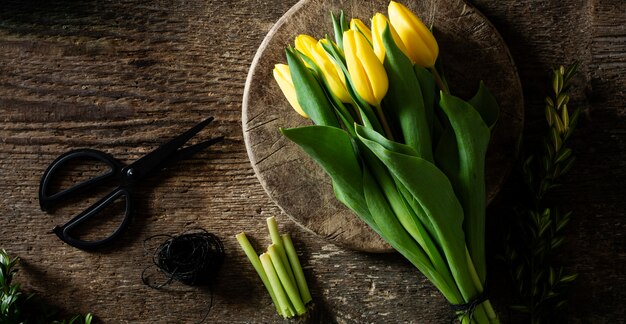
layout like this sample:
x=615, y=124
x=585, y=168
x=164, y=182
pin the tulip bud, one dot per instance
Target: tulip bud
x=368, y=75
x=420, y=43
x=379, y=23
x=282, y=75
x=358, y=25
x=332, y=74
x=306, y=45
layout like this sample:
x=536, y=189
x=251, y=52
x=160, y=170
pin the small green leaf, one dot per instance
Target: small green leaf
x=568, y=164
x=565, y=116
x=556, y=242
x=549, y=115
x=563, y=155
x=561, y=100
x=556, y=139
x=568, y=278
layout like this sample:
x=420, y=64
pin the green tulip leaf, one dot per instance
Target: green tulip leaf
x=427, y=86
x=432, y=190
x=461, y=155
x=382, y=140
x=310, y=93
x=340, y=24
x=333, y=150
x=486, y=105
x=404, y=99
x=392, y=231
x=404, y=206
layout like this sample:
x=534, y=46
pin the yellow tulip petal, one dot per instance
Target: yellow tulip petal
x=305, y=44
x=379, y=23
x=357, y=72
x=366, y=72
x=420, y=43
x=358, y=25
x=282, y=75
x=374, y=69
x=332, y=74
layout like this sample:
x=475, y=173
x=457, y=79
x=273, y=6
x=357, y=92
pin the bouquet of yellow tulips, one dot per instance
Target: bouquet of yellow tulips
x=403, y=153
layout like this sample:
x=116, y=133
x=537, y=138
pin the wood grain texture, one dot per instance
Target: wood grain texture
x=471, y=51
x=124, y=76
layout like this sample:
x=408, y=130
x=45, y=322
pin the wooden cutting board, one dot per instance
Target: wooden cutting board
x=471, y=50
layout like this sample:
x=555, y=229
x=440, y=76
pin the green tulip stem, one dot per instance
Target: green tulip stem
x=256, y=263
x=297, y=269
x=491, y=314
x=288, y=284
x=281, y=297
x=384, y=123
x=272, y=226
x=438, y=80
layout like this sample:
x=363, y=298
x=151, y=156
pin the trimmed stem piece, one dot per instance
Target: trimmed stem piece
x=290, y=286
x=297, y=269
x=272, y=226
x=281, y=297
x=256, y=263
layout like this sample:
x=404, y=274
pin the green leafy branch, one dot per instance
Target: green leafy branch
x=538, y=228
x=16, y=307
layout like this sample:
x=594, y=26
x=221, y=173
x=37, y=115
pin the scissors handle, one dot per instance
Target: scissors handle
x=47, y=201
x=64, y=232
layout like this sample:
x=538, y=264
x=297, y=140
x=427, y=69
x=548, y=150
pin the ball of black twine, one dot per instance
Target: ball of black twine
x=192, y=258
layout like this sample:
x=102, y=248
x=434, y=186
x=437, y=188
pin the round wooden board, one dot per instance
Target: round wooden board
x=471, y=50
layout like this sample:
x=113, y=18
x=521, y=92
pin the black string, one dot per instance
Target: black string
x=467, y=310
x=192, y=258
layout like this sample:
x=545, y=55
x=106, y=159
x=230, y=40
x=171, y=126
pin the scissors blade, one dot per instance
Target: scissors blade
x=188, y=152
x=154, y=160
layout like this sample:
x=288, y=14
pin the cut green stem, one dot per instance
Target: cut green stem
x=283, y=302
x=290, y=286
x=297, y=269
x=256, y=263
x=272, y=226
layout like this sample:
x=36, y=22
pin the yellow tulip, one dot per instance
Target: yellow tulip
x=306, y=45
x=379, y=23
x=282, y=75
x=358, y=25
x=368, y=74
x=420, y=43
x=331, y=72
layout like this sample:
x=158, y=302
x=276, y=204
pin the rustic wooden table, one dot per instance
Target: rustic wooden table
x=124, y=76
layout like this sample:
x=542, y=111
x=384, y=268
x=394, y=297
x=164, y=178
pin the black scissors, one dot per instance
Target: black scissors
x=124, y=176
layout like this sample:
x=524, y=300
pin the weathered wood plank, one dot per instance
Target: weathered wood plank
x=126, y=76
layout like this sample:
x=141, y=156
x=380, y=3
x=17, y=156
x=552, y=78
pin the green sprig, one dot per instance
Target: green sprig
x=16, y=307
x=538, y=228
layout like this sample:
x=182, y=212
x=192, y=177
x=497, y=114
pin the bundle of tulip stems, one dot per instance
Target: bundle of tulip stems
x=403, y=153
x=280, y=271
